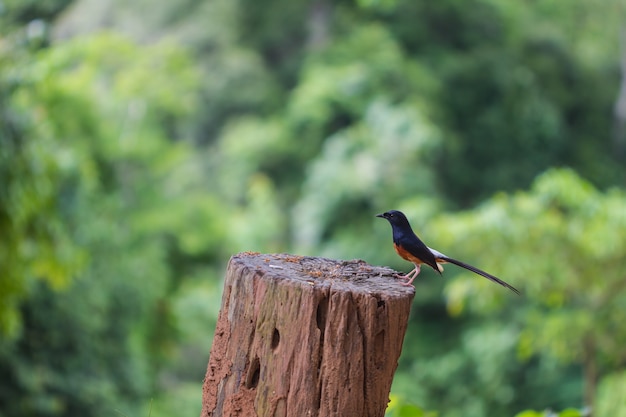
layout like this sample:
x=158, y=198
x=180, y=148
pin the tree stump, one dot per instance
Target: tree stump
x=301, y=336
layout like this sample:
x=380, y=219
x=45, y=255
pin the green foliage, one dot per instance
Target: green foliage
x=131, y=167
x=355, y=166
x=182, y=400
x=563, y=234
x=398, y=408
x=570, y=412
x=25, y=11
x=35, y=241
x=549, y=242
x=612, y=395
x=509, y=77
x=96, y=345
x=559, y=233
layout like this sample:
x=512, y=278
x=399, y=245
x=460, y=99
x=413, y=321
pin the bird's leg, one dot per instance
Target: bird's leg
x=415, y=273
x=407, y=276
x=411, y=275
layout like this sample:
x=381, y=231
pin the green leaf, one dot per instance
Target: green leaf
x=530, y=413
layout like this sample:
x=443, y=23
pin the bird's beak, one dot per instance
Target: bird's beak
x=381, y=215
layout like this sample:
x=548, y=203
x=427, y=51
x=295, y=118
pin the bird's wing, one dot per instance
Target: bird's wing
x=418, y=250
x=437, y=254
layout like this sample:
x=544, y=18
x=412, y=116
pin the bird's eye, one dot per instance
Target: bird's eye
x=391, y=214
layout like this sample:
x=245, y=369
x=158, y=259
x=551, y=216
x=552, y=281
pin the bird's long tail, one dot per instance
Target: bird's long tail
x=479, y=272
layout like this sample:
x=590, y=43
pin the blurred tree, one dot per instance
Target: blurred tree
x=502, y=89
x=522, y=87
x=100, y=149
x=563, y=241
x=569, y=412
x=310, y=118
x=397, y=408
x=22, y=12
x=35, y=243
x=611, y=394
x=362, y=135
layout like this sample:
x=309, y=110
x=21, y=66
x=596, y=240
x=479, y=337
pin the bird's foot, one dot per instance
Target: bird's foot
x=409, y=283
x=400, y=276
x=411, y=276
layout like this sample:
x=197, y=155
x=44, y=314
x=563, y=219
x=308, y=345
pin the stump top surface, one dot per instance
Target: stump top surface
x=343, y=275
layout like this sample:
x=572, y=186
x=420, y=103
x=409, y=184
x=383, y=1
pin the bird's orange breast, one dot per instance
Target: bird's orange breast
x=404, y=254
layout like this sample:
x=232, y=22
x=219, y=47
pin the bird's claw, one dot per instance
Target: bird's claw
x=407, y=278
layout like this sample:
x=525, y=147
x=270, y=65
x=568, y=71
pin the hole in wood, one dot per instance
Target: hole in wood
x=320, y=317
x=252, y=334
x=275, y=338
x=254, y=372
x=322, y=310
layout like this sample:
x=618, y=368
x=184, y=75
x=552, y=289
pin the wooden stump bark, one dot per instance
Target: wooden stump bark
x=300, y=336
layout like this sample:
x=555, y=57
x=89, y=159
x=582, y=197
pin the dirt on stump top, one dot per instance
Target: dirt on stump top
x=353, y=275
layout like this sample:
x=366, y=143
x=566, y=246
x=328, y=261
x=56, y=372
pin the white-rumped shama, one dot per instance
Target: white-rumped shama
x=411, y=248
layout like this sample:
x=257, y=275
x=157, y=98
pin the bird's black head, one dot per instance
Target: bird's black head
x=396, y=218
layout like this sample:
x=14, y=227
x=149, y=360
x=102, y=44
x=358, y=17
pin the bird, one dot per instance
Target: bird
x=411, y=248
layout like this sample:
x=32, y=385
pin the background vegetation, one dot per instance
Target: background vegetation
x=142, y=143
